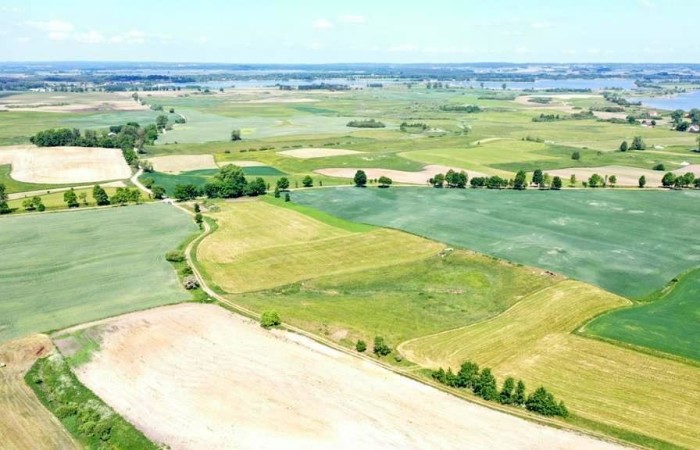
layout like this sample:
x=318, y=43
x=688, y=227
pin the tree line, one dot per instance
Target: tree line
x=369, y=123
x=230, y=182
x=130, y=138
x=483, y=383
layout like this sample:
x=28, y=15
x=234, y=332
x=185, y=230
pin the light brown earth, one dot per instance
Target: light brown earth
x=24, y=422
x=64, y=165
x=214, y=380
x=69, y=103
x=246, y=163
x=626, y=176
x=308, y=153
x=397, y=176
x=26, y=194
x=182, y=163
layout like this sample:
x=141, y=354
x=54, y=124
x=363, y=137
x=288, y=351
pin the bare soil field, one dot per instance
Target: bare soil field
x=182, y=163
x=626, y=176
x=64, y=165
x=8, y=152
x=27, y=194
x=57, y=103
x=213, y=378
x=24, y=422
x=283, y=100
x=397, y=176
x=308, y=153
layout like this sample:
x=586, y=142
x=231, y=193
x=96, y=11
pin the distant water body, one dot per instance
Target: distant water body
x=572, y=83
x=681, y=101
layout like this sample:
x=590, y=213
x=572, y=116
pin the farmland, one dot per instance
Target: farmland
x=280, y=389
x=114, y=262
x=667, y=324
x=259, y=246
x=600, y=382
x=403, y=300
x=25, y=423
x=347, y=264
x=618, y=240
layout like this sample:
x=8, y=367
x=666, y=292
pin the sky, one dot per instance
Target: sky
x=327, y=31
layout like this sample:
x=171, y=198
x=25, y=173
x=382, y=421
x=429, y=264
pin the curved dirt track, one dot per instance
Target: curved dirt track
x=196, y=376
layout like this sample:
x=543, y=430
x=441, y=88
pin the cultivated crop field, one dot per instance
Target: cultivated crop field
x=600, y=381
x=668, y=324
x=216, y=369
x=402, y=300
x=626, y=242
x=72, y=267
x=259, y=246
x=26, y=424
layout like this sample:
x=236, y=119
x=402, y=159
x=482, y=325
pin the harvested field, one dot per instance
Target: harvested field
x=598, y=381
x=397, y=176
x=182, y=163
x=246, y=254
x=213, y=378
x=68, y=165
x=309, y=153
x=626, y=176
x=24, y=422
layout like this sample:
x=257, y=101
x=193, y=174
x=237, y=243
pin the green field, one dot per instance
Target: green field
x=55, y=200
x=668, y=324
x=66, y=268
x=403, y=300
x=202, y=176
x=168, y=181
x=627, y=242
x=599, y=382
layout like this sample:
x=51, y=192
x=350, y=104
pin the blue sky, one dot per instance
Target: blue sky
x=312, y=31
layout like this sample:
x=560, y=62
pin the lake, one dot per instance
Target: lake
x=685, y=102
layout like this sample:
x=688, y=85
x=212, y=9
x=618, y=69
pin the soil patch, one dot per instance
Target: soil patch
x=213, y=378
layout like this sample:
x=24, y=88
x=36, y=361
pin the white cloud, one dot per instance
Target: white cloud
x=351, y=18
x=646, y=3
x=403, y=48
x=91, y=37
x=315, y=46
x=322, y=24
x=57, y=30
x=22, y=40
x=202, y=40
x=130, y=37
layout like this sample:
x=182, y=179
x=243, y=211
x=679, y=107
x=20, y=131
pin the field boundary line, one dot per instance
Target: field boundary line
x=490, y=319
x=406, y=373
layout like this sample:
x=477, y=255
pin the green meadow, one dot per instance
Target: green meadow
x=73, y=267
x=624, y=241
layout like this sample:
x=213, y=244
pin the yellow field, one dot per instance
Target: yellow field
x=24, y=422
x=260, y=246
x=598, y=381
x=55, y=200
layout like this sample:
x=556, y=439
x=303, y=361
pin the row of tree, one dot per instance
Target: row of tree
x=230, y=182
x=483, y=383
x=127, y=137
x=370, y=123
